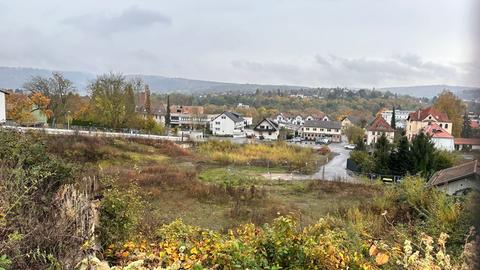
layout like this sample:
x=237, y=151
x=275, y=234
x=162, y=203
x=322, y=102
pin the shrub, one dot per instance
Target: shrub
x=34, y=232
x=119, y=215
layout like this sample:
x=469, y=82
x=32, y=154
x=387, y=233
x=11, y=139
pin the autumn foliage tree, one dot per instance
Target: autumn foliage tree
x=21, y=107
x=454, y=107
x=57, y=89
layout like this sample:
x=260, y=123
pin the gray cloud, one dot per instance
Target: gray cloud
x=340, y=71
x=371, y=43
x=130, y=19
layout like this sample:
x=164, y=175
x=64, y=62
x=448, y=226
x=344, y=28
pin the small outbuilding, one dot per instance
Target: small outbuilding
x=457, y=180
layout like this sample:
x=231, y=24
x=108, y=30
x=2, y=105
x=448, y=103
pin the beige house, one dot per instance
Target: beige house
x=421, y=118
x=314, y=129
x=378, y=128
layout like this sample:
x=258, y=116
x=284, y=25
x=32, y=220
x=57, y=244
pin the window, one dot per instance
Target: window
x=329, y=130
x=307, y=128
x=440, y=125
x=269, y=133
x=217, y=128
x=223, y=117
x=314, y=129
x=217, y=123
x=446, y=125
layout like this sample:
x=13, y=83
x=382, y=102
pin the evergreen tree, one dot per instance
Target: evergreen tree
x=382, y=155
x=130, y=113
x=423, y=155
x=167, y=116
x=393, y=123
x=401, y=159
x=360, y=145
x=148, y=103
x=467, y=131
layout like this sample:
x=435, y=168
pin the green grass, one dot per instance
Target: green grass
x=238, y=175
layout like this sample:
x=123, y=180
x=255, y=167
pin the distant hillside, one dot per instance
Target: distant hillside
x=429, y=90
x=15, y=77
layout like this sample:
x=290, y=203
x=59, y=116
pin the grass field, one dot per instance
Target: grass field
x=189, y=184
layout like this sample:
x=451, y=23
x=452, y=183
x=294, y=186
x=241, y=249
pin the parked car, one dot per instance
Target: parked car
x=297, y=139
x=322, y=141
x=349, y=146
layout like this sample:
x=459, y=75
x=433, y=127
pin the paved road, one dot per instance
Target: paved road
x=335, y=169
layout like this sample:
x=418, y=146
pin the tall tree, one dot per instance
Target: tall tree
x=393, y=121
x=109, y=92
x=57, y=88
x=382, y=155
x=467, y=130
x=454, y=107
x=360, y=145
x=400, y=159
x=423, y=155
x=21, y=107
x=129, y=99
x=148, y=102
x=167, y=116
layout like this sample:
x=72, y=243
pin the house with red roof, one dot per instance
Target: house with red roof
x=377, y=128
x=440, y=137
x=421, y=118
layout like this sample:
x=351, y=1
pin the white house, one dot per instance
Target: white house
x=267, y=129
x=401, y=117
x=378, y=128
x=3, y=106
x=441, y=139
x=228, y=124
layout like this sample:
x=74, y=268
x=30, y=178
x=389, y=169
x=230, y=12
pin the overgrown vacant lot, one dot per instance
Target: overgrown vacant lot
x=147, y=186
x=279, y=154
x=205, y=190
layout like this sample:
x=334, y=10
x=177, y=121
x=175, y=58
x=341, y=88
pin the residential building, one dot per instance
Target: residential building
x=313, y=129
x=353, y=120
x=228, y=124
x=299, y=119
x=467, y=144
x=458, y=179
x=248, y=120
x=419, y=119
x=266, y=129
x=378, y=128
x=441, y=139
x=401, y=117
x=3, y=106
x=188, y=116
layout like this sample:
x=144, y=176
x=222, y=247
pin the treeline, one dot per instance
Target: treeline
x=403, y=158
x=111, y=103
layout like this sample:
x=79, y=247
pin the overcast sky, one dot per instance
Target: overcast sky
x=367, y=43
